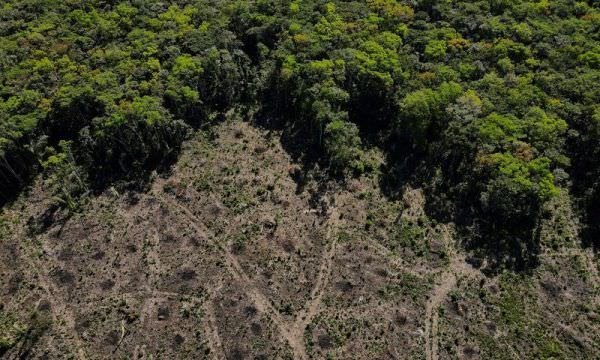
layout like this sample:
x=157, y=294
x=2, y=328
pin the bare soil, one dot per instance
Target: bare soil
x=227, y=257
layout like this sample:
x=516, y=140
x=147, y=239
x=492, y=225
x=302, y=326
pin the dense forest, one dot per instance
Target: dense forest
x=492, y=106
x=299, y=179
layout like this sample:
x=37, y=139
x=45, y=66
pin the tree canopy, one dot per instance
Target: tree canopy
x=498, y=99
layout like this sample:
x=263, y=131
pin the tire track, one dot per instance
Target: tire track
x=214, y=339
x=431, y=326
x=259, y=299
x=291, y=331
x=311, y=308
x=458, y=268
x=61, y=314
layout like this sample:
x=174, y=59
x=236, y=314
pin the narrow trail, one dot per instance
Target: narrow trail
x=311, y=308
x=62, y=315
x=291, y=331
x=214, y=339
x=153, y=262
x=259, y=299
x=431, y=326
x=458, y=268
x=60, y=312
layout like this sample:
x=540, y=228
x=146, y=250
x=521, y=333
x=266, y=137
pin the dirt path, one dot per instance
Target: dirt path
x=311, y=308
x=440, y=292
x=214, y=339
x=152, y=263
x=62, y=315
x=259, y=299
x=292, y=332
x=458, y=268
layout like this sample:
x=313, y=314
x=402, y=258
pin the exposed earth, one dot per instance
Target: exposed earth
x=241, y=253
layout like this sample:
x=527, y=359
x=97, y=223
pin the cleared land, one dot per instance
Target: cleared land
x=239, y=254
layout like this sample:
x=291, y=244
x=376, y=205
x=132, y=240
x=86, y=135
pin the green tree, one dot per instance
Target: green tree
x=343, y=146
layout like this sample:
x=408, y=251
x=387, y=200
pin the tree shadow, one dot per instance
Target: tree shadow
x=17, y=169
x=495, y=242
x=590, y=232
x=586, y=190
x=275, y=113
x=495, y=247
x=584, y=173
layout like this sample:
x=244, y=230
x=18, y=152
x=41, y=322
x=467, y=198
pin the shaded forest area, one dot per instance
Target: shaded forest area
x=492, y=106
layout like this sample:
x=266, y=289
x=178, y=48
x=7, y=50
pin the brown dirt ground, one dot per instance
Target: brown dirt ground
x=228, y=258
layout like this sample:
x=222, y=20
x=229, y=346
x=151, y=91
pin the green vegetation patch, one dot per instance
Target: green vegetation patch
x=11, y=331
x=489, y=105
